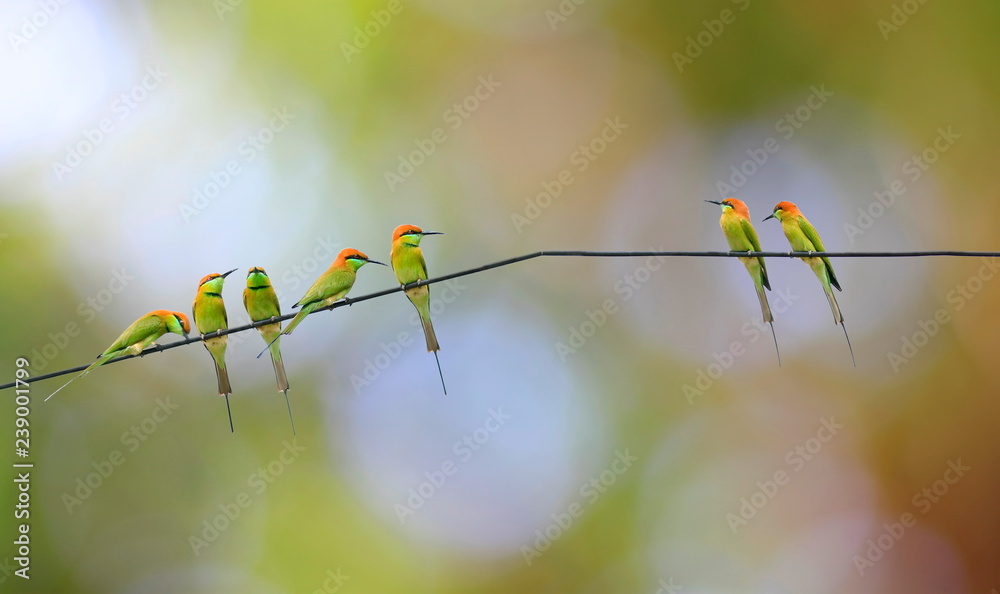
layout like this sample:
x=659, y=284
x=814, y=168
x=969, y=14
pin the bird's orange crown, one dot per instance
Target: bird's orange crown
x=403, y=230
x=788, y=208
x=214, y=276
x=739, y=207
x=165, y=313
x=350, y=254
x=208, y=277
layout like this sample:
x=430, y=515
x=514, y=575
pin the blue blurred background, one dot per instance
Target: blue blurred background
x=611, y=425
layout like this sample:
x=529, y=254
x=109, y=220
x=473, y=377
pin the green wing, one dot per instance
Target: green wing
x=810, y=232
x=751, y=234
x=331, y=285
x=269, y=302
x=145, y=328
x=423, y=266
x=813, y=236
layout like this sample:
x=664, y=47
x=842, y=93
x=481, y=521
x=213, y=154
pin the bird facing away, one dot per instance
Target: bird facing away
x=261, y=303
x=742, y=237
x=803, y=237
x=140, y=334
x=210, y=316
x=408, y=263
x=332, y=285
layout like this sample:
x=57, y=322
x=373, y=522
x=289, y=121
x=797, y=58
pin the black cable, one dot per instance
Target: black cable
x=515, y=260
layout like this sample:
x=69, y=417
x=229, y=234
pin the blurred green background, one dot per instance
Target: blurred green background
x=611, y=425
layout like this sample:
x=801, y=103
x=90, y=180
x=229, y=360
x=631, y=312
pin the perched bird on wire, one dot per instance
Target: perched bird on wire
x=331, y=286
x=742, y=237
x=408, y=263
x=210, y=316
x=803, y=237
x=261, y=303
x=140, y=334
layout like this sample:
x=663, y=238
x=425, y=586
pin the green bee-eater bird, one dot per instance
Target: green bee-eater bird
x=332, y=285
x=408, y=263
x=261, y=303
x=742, y=237
x=210, y=316
x=140, y=334
x=802, y=236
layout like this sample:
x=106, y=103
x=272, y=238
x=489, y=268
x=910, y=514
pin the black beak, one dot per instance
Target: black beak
x=228, y=273
x=714, y=202
x=770, y=216
x=431, y=233
x=370, y=261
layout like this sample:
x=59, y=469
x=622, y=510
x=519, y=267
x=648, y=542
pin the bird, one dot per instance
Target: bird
x=742, y=237
x=408, y=263
x=261, y=303
x=332, y=285
x=803, y=237
x=210, y=316
x=140, y=334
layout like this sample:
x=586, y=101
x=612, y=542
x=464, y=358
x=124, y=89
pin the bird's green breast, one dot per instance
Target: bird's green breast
x=409, y=266
x=796, y=238
x=732, y=228
x=262, y=304
x=209, y=312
